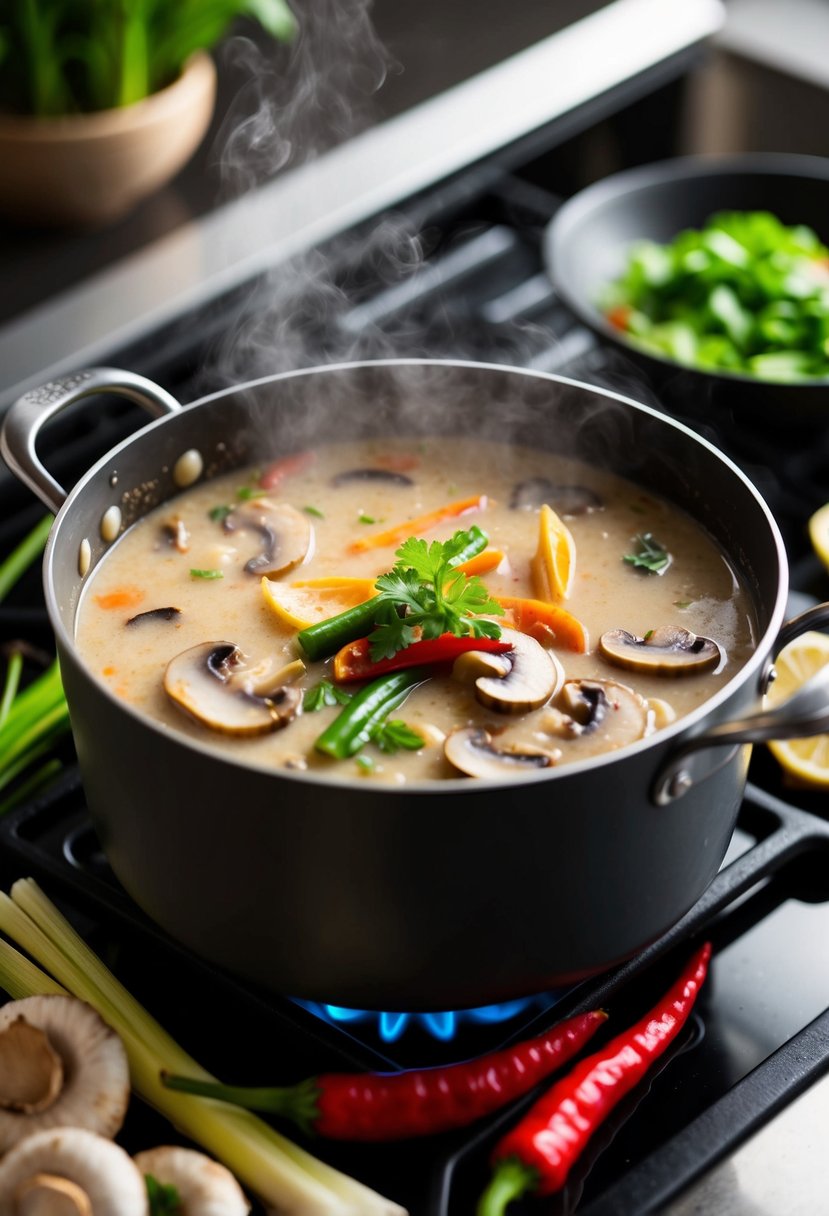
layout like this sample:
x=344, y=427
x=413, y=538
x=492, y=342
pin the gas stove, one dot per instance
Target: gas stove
x=751, y=1061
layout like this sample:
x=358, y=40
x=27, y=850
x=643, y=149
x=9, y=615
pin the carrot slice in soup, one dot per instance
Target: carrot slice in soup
x=416, y=527
x=124, y=597
x=545, y=622
x=484, y=563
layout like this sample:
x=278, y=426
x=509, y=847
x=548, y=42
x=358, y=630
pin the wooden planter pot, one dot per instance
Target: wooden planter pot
x=86, y=170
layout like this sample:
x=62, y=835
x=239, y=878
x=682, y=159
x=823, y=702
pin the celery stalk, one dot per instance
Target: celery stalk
x=281, y=1172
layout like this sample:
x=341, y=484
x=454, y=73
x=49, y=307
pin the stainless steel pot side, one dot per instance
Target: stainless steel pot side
x=437, y=895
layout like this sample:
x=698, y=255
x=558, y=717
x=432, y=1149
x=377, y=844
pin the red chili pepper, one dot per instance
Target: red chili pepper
x=354, y=661
x=536, y=1156
x=288, y=465
x=395, y=1106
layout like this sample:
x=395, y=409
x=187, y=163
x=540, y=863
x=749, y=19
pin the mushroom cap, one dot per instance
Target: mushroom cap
x=212, y=683
x=103, y=1172
x=96, y=1081
x=472, y=750
x=176, y=534
x=472, y=664
x=390, y=476
x=566, y=499
x=287, y=535
x=49, y=1195
x=155, y=614
x=31, y=1071
x=534, y=676
x=590, y=717
x=669, y=650
x=204, y=1186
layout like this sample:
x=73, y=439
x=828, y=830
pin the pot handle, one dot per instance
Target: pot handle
x=803, y=714
x=34, y=409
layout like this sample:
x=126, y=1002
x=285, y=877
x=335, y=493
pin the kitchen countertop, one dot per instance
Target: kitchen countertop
x=202, y=256
x=780, y=1169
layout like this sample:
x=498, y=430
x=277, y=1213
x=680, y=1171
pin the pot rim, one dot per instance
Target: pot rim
x=451, y=785
x=618, y=186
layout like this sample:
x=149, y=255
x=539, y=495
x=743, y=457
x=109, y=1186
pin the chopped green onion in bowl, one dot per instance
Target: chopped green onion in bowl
x=745, y=294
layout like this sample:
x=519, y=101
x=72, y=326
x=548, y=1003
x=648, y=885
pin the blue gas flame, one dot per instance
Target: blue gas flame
x=443, y=1026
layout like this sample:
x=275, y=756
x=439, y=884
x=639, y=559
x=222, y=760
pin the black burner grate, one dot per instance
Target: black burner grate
x=732, y=1072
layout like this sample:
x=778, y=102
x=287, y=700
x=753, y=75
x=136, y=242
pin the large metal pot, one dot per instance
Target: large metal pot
x=438, y=895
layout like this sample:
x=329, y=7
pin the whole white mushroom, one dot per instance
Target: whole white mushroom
x=68, y=1171
x=60, y=1066
x=205, y=1188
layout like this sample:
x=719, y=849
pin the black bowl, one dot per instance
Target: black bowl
x=587, y=243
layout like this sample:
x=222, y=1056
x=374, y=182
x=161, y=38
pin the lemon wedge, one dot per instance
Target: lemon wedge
x=307, y=603
x=819, y=533
x=806, y=761
x=554, y=564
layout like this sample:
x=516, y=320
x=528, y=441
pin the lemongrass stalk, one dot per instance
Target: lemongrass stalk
x=11, y=685
x=247, y=1145
x=19, y=977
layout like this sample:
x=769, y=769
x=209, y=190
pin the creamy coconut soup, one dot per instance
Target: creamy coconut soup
x=563, y=612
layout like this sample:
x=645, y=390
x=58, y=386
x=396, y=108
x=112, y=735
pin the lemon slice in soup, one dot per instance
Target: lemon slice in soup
x=306, y=603
x=554, y=563
x=806, y=761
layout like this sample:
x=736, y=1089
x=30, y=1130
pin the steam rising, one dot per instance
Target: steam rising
x=370, y=294
x=298, y=102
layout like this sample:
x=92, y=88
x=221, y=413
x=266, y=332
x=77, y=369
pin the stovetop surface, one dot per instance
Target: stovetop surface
x=758, y=1035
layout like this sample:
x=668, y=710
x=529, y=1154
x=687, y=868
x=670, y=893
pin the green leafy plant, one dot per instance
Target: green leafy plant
x=69, y=56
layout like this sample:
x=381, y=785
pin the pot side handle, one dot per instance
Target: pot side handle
x=34, y=409
x=805, y=713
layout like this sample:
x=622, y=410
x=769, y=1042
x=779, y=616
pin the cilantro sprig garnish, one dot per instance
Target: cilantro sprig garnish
x=322, y=694
x=391, y=736
x=422, y=592
x=650, y=555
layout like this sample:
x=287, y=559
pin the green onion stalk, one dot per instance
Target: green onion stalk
x=284, y=1175
x=31, y=721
